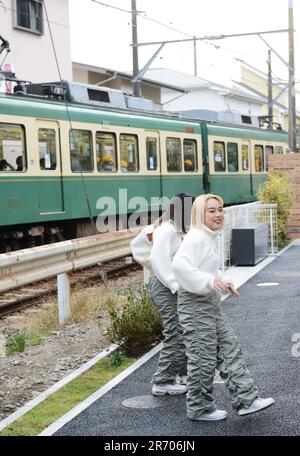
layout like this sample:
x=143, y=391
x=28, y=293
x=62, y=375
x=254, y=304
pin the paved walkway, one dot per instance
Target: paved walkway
x=266, y=318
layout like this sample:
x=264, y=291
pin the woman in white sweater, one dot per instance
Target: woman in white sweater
x=209, y=339
x=167, y=237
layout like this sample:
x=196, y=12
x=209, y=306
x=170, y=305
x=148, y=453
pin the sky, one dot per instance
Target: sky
x=101, y=35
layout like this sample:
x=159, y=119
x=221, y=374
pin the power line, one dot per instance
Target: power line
x=70, y=121
x=216, y=46
x=111, y=6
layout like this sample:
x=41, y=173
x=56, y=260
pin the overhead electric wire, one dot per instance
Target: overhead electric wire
x=216, y=46
x=70, y=122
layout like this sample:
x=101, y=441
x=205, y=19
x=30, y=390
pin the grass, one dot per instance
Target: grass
x=19, y=341
x=59, y=403
x=90, y=304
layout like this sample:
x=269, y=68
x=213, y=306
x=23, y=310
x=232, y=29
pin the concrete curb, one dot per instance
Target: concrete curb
x=101, y=391
x=41, y=397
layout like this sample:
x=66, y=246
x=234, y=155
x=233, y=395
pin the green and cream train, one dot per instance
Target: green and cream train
x=58, y=158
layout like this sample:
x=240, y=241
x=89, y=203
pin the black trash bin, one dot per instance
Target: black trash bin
x=249, y=245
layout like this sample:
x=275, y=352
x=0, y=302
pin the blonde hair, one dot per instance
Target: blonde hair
x=198, y=209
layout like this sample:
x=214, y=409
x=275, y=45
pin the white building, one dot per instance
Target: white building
x=201, y=94
x=25, y=26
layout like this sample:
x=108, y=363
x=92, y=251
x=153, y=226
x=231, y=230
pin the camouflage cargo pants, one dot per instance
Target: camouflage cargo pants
x=172, y=358
x=210, y=344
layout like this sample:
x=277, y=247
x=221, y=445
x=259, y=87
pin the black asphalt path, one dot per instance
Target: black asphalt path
x=267, y=322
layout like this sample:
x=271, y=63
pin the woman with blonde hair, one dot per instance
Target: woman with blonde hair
x=209, y=339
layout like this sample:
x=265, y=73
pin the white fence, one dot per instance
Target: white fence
x=247, y=215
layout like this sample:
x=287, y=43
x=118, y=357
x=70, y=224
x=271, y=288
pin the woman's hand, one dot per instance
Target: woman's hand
x=220, y=285
x=232, y=290
x=225, y=287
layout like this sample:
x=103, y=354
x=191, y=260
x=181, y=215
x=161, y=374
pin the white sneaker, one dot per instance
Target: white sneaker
x=168, y=388
x=257, y=405
x=181, y=379
x=216, y=415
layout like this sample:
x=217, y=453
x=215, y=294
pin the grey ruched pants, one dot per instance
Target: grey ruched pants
x=172, y=358
x=210, y=344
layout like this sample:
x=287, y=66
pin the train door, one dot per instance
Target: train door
x=153, y=165
x=49, y=168
x=247, y=169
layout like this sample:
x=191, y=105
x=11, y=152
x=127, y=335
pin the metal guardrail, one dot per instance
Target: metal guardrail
x=31, y=265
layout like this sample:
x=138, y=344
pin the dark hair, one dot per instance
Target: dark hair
x=179, y=212
x=3, y=163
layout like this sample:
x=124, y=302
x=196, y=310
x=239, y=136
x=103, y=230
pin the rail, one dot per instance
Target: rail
x=31, y=265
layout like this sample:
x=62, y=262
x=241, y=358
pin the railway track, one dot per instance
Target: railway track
x=16, y=299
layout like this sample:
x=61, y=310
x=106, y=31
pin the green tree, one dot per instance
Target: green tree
x=277, y=190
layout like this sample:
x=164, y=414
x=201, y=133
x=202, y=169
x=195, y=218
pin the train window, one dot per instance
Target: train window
x=106, y=152
x=259, y=158
x=190, y=154
x=245, y=157
x=232, y=157
x=278, y=150
x=12, y=148
x=47, y=148
x=173, y=148
x=81, y=150
x=151, y=150
x=129, y=153
x=269, y=150
x=219, y=156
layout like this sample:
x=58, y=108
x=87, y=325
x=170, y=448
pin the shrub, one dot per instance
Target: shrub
x=276, y=190
x=137, y=326
x=19, y=341
x=16, y=343
x=116, y=359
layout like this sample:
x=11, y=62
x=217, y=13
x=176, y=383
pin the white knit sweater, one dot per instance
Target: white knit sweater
x=197, y=262
x=141, y=250
x=166, y=241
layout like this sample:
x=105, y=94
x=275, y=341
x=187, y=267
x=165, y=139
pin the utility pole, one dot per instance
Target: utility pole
x=270, y=92
x=135, y=57
x=195, y=57
x=292, y=102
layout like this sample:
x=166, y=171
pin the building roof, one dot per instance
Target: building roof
x=126, y=75
x=189, y=83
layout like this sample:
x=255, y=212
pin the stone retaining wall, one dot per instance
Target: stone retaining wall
x=289, y=165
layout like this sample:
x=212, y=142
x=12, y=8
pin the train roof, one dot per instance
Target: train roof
x=244, y=132
x=45, y=108
x=59, y=110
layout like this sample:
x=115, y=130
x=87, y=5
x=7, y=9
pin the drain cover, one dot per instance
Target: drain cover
x=145, y=402
x=287, y=274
